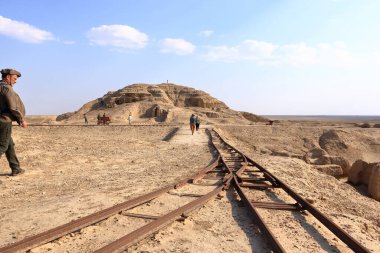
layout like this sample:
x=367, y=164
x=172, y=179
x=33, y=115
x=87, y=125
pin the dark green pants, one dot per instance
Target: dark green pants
x=7, y=145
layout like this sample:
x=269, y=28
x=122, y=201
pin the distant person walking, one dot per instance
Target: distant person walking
x=11, y=109
x=85, y=119
x=192, y=123
x=197, y=123
x=130, y=118
x=99, y=121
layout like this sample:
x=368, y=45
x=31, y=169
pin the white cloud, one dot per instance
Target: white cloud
x=176, y=46
x=206, y=33
x=69, y=42
x=121, y=36
x=247, y=50
x=23, y=31
x=334, y=54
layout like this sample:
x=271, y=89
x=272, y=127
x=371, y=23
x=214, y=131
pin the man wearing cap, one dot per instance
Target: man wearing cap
x=11, y=109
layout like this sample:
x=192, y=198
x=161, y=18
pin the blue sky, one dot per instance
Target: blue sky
x=269, y=57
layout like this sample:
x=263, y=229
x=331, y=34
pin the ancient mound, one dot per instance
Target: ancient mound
x=166, y=103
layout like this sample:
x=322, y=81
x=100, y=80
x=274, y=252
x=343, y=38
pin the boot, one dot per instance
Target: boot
x=17, y=171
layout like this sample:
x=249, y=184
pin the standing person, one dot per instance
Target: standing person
x=99, y=119
x=11, y=109
x=197, y=123
x=192, y=123
x=130, y=118
x=85, y=119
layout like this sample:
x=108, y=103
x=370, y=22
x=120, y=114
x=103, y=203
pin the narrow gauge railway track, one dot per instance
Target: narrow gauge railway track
x=187, y=195
x=248, y=176
x=231, y=168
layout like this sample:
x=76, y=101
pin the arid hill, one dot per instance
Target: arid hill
x=166, y=103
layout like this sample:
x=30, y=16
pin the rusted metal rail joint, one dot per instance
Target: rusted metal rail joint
x=302, y=204
x=52, y=234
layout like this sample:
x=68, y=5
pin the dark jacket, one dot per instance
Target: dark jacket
x=11, y=105
x=192, y=120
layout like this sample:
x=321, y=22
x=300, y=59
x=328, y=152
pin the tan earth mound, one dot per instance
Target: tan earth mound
x=161, y=103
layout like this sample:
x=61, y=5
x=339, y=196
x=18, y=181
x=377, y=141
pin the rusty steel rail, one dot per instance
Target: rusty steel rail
x=301, y=204
x=57, y=232
x=152, y=227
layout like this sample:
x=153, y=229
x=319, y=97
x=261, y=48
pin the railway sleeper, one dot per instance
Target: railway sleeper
x=207, y=184
x=252, y=179
x=248, y=170
x=182, y=217
x=233, y=159
x=195, y=195
x=255, y=178
x=216, y=171
x=257, y=185
x=277, y=206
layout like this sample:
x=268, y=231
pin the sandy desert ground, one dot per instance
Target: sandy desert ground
x=74, y=171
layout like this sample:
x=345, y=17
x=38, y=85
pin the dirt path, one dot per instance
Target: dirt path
x=184, y=136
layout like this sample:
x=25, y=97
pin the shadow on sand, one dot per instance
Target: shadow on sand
x=309, y=228
x=244, y=219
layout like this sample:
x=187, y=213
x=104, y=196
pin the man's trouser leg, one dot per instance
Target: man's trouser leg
x=5, y=135
x=11, y=156
x=7, y=145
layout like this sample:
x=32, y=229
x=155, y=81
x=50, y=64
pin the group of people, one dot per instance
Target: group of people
x=194, y=123
x=104, y=120
x=11, y=109
x=101, y=119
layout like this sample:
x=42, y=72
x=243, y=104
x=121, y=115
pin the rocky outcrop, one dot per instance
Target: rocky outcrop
x=319, y=157
x=337, y=160
x=368, y=174
x=182, y=96
x=374, y=182
x=330, y=169
x=360, y=172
